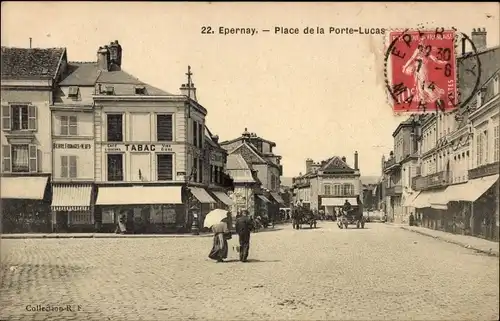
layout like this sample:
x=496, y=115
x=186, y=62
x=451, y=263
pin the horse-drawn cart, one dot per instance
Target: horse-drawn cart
x=352, y=217
x=301, y=215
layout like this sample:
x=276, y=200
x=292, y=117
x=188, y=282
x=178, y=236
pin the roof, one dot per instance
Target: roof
x=250, y=138
x=406, y=123
x=81, y=74
x=253, y=157
x=208, y=136
x=31, y=62
x=239, y=170
x=336, y=164
x=88, y=74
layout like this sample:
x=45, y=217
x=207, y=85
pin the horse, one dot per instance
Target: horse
x=297, y=217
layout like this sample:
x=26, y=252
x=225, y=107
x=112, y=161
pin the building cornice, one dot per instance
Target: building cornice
x=34, y=84
x=148, y=98
x=72, y=108
x=484, y=109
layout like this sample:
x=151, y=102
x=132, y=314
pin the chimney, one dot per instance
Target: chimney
x=344, y=159
x=356, y=160
x=103, y=58
x=309, y=165
x=186, y=92
x=115, y=54
x=245, y=135
x=479, y=38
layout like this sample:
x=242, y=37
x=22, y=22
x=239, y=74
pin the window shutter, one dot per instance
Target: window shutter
x=7, y=158
x=73, y=166
x=6, y=117
x=32, y=117
x=64, y=166
x=33, y=158
x=73, y=125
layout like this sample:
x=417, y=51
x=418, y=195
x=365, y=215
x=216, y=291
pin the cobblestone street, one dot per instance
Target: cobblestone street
x=381, y=272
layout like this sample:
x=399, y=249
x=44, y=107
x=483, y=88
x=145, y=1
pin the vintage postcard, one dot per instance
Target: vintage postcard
x=249, y=161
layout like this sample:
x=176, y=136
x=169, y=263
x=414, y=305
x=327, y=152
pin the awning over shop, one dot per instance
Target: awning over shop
x=202, y=195
x=32, y=187
x=337, y=201
x=224, y=198
x=410, y=200
x=71, y=197
x=427, y=198
x=135, y=195
x=263, y=198
x=477, y=187
x=277, y=197
x=422, y=200
x=469, y=191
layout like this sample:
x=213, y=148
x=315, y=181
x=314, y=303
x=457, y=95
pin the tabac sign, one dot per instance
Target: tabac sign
x=138, y=148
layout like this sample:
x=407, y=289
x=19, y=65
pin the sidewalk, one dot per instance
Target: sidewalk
x=96, y=235
x=470, y=242
x=114, y=236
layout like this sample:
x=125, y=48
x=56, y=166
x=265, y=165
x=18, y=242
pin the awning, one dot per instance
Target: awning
x=263, y=198
x=410, y=199
x=202, y=195
x=426, y=198
x=135, y=195
x=224, y=198
x=337, y=201
x=71, y=197
x=477, y=187
x=277, y=197
x=468, y=192
x=29, y=187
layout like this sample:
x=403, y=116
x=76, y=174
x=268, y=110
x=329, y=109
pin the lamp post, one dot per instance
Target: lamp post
x=195, y=212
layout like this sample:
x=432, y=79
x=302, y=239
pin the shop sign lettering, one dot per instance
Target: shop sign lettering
x=71, y=146
x=138, y=147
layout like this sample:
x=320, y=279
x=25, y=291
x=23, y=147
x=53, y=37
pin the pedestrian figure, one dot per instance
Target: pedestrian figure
x=121, y=227
x=412, y=219
x=244, y=226
x=220, y=248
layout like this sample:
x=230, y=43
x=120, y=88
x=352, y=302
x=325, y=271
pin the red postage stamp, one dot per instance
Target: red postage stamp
x=421, y=70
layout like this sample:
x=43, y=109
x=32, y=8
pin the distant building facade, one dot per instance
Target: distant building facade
x=259, y=156
x=399, y=170
x=327, y=184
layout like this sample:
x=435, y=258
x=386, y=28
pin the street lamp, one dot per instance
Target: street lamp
x=195, y=227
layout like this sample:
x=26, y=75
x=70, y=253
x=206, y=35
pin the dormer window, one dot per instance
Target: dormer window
x=110, y=90
x=73, y=92
x=140, y=90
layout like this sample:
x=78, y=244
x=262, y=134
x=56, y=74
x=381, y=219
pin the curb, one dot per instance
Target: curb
x=490, y=253
x=100, y=236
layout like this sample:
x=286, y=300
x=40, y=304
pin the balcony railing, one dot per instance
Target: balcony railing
x=390, y=163
x=485, y=170
x=439, y=179
x=394, y=190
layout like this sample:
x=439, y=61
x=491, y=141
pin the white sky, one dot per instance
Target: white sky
x=314, y=95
